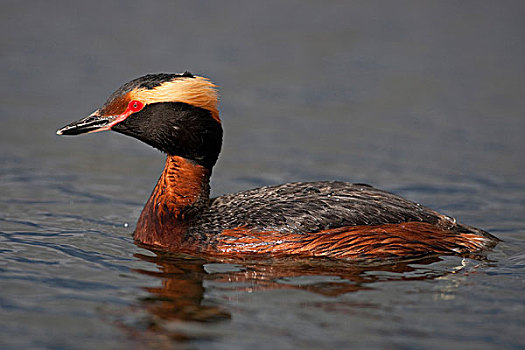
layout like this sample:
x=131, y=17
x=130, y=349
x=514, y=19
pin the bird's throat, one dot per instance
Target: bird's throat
x=180, y=195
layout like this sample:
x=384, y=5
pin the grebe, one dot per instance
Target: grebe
x=178, y=114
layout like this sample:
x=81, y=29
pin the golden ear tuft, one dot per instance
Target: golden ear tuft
x=197, y=91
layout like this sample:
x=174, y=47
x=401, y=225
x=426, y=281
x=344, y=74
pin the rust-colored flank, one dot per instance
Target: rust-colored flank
x=352, y=242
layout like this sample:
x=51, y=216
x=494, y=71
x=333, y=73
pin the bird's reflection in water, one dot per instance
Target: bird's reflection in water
x=180, y=300
x=181, y=294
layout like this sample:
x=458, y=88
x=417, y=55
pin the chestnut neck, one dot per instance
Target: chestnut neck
x=181, y=194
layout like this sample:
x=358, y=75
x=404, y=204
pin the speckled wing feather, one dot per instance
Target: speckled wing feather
x=314, y=206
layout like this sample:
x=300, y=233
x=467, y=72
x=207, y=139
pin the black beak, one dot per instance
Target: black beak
x=92, y=123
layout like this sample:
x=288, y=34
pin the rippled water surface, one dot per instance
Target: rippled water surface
x=424, y=99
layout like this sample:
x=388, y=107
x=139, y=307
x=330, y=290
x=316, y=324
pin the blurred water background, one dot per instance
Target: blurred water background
x=424, y=99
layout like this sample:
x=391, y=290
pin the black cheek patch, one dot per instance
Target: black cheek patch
x=177, y=129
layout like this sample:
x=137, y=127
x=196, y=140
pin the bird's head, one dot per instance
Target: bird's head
x=175, y=113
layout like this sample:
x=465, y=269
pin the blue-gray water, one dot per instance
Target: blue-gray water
x=425, y=99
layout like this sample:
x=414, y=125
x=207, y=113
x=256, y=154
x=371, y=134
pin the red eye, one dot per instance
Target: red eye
x=135, y=106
